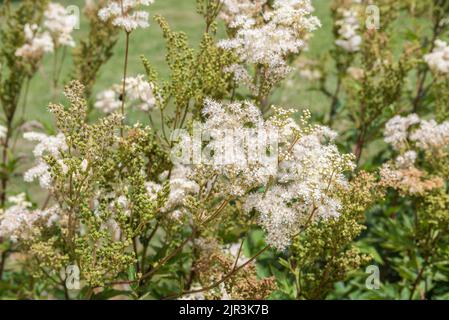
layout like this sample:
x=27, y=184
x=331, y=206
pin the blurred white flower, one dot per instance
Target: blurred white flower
x=349, y=39
x=52, y=145
x=60, y=24
x=396, y=130
x=108, y=101
x=438, y=59
x=124, y=15
x=37, y=44
x=283, y=30
x=139, y=94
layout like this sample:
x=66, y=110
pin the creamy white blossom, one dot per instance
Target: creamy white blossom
x=431, y=136
x=60, y=23
x=438, y=59
x=57, y=27
x=239, y=138
x=404, y=172
x=396, y=130
x=124, y=14
x=238, y=13
x=139, y=94
x=84, y=165
x=301, y=175
x=283, y=30
x=406, y=160
x=108, y=101
x=20, y=222
x=47, y=145
x=305, y=188
x=181, y=185
x=349, y=39
x=37, y=43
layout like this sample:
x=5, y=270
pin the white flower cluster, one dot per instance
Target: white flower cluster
x=301, y=178
x=60, y=23
x=349, y=39
x=58, y=26
x=283, y=30
x=181, y=185
x=124, y=14
x=403, y=173
x=396, y=130
x=37, y=43
x=108, y=100
x=305, y=188
x=139, y=92
x=239, y=139
x=19, y=222
x=406, y=160
x=431, y=135
x=47, y=145
x=438, y=59
x=236, y=13
x=428, y=136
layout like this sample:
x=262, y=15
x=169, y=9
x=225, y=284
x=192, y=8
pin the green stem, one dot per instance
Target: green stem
x=125, y=71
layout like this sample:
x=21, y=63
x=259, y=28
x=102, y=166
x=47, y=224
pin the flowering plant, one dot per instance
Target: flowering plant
x=195, y=183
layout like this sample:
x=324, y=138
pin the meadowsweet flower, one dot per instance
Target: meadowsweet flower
x=19, y=222
x=60, y=24
x=438, y=59
x=396, y=130
x=37, y=44
x=431, y=136
x=349, y=25
x=124, y=15
x=305, y=189
x=108, y=101
x=283, y=30
x=153, y=189
x=181, y=185
x=428, y=136
x=41, y=172
x=407, y=160
x=239, y=139
x=20, y=200
x=139, y=94
x=404, y=173
x=409, y=181
x=84, y=165
x=47, y=145
x=238, y=13
x=302, y=172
